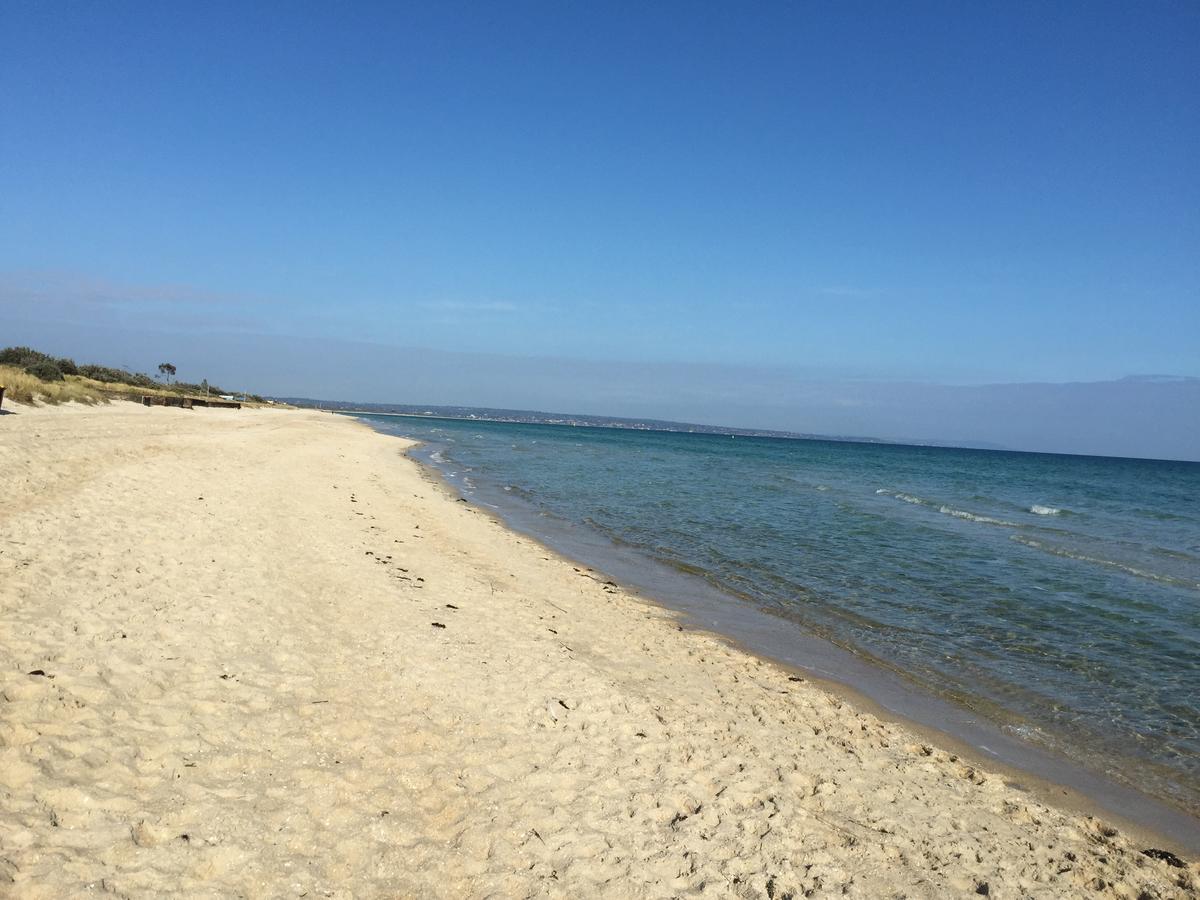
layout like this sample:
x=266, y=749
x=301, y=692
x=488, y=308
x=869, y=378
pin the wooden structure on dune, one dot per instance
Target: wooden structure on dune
x=188, y=402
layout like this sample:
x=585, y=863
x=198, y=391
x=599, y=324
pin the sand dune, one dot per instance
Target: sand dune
x=274, y=659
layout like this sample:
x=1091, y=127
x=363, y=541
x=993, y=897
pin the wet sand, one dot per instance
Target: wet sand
x=271, y=658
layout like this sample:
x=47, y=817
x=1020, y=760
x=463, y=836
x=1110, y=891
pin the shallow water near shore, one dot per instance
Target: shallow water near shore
x=1055, y=599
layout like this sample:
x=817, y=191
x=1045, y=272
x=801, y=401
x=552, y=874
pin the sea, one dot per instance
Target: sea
x=1055, y=596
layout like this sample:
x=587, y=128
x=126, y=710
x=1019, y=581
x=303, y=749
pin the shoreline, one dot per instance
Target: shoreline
x=262, y=653
x=1063, y=627
x=1049, y=776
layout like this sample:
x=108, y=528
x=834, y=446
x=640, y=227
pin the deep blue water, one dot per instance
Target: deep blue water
x=1056, y=595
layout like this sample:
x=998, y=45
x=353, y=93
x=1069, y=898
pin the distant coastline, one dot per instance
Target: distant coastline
x=535, y=417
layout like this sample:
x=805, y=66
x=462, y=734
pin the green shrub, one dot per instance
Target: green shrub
x=67, y=366
x=103, y=373
x=23, y=357
x=46, y=370
x=109, y=375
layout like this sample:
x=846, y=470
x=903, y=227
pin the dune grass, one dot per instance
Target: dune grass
x=21, y=387
x=30, y=376
x=116, y=390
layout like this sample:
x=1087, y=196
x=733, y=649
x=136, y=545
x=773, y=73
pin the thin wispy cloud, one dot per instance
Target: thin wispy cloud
x=847, y=292
x=75, y=298
x=474, y=306
x=32, y=286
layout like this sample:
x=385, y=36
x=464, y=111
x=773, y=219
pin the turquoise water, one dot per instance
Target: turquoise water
x=1056, y=595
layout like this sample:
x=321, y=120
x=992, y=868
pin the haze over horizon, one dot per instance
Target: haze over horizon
x=1138, y=416
x=933, y=223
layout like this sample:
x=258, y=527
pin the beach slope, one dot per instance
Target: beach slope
x=261, y=653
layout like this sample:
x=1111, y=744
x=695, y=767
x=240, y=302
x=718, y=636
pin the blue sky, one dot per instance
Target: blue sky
x=960, y=193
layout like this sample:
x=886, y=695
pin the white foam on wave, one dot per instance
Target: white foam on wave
x=972, y=517
x=947, y=510
x=1038, y=510
x=899, y=495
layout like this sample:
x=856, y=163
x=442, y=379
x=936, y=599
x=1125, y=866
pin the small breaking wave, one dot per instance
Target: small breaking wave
x=907, y=498
x=1108, y=563
x=1038, y=510
x=972, y=517
x=948, y=510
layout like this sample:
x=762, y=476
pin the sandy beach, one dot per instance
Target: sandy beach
x=260, y=653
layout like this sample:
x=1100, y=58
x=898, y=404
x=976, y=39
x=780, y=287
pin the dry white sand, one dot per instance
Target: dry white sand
x=245, y=694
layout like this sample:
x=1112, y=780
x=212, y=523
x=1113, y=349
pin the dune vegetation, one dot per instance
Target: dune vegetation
x=31, y=376
x=23, y=387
